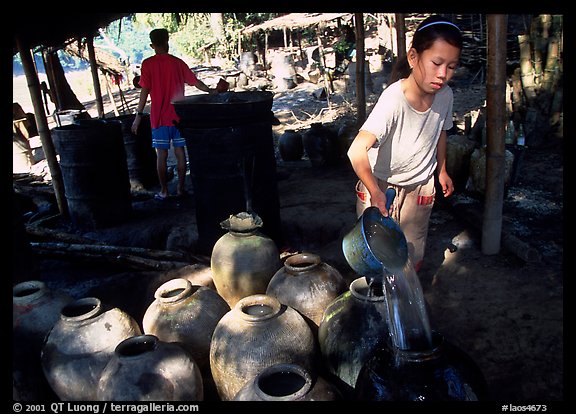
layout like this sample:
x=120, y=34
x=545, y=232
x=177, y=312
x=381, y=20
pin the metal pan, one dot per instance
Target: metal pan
x=376, y=243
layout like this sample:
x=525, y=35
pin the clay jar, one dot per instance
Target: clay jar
x=352, y=327
x=188, y=314
x=80, y=345
x=308, y=285
x=35, y=310
x=321, y=145
x=257, y=333
x=243, y=260
x=441, y=373
x=144, y=368
x=290, y=145
x=287, y=382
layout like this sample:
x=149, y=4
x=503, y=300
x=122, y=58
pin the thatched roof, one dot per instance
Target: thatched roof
x=53, y=29
x=296, y=20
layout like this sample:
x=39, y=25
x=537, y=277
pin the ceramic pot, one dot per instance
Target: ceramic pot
x=243, y=260
x=321, y=145
x=257, y=333
x=287, y=382
x=352, y=327
x=144, y=368
x=290, y=145
x=80, y=345
x=187, y=314
x=35, y=310
x=441, y=373
x=308, y=285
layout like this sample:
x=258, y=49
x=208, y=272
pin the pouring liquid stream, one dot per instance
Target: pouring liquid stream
x=407, y=316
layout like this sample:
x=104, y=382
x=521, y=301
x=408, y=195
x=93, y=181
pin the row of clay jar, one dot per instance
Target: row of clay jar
x=90, y=351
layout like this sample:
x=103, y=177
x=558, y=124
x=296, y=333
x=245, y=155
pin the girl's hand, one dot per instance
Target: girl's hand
x=379, y=200
x=446, y=184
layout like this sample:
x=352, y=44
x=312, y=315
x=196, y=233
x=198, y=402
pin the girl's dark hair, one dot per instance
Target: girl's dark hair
x=429, y=30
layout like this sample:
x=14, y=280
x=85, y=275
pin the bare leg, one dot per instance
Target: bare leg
x=161, y=166
x=180, y=155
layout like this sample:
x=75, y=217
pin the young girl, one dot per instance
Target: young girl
x=408, y=126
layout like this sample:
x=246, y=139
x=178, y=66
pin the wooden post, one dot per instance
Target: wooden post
x=327, y=78
x=496, y=119
x=110, y=94
x=95, y=78
x=360, y=64
x=401, y=34
x=42, y=125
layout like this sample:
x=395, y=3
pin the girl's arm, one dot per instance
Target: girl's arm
x=358, y=155
x=443, y=177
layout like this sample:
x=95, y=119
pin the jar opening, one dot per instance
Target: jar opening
x=174, y=290
x=257, y=310
x=137, y=345
x=81, y=309
x=361, y=290
x=172, y=293
x=26, y=292
x=281, y=383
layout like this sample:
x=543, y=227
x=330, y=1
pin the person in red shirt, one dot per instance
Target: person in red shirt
x=163, y=77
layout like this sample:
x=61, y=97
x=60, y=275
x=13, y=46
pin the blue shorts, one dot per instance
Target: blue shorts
x=162, y=136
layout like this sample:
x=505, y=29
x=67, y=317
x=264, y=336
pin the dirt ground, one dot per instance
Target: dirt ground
x=505, y=310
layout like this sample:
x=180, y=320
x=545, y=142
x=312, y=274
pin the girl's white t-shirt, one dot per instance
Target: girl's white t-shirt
x=407, y=138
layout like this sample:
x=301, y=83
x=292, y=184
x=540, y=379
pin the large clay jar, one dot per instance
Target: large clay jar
x=288, y=382
x=308, y=285
x=258, y=332
x=144, y=368
x=35, y=310
x=243, y=260
x=352, y=327
x=80, y=345
x=441, y=373
x=290, y=145
x=188, y=314
x=321, y=145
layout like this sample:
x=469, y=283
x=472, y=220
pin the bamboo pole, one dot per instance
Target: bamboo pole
x=42, y=126
x=496, y=118
x=551, y=68
x=526, y=68
x=95, y=77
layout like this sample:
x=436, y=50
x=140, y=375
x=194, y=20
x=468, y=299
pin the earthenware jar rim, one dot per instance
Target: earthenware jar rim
x=359, y=289
x=136, y=347
x=29, y=291
x=174, y=291
x=69, y=312
x=268, y=303
x=302, y=262
x=283, y=368
x=243, y=223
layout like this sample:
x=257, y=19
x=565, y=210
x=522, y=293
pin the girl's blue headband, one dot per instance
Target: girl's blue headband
x=438, y=22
